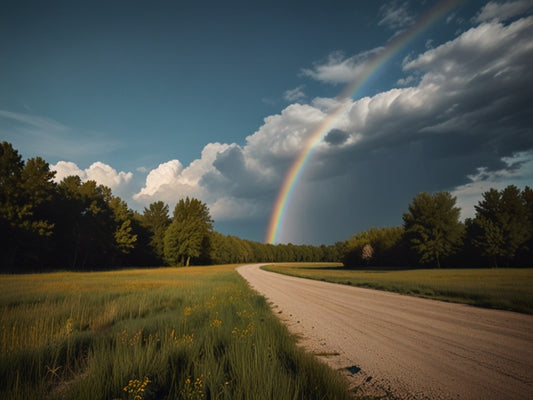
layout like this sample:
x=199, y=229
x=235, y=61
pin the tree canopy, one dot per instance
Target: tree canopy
x=376, y=246
x=156, y=219
x=503, y=223
x=79, y=224
x=188, y=236
x=432, y=226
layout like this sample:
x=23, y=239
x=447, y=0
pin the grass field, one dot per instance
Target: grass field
x=169, y=333
x=506, y=289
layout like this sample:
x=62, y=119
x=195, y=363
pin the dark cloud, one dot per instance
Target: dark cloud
x=469, y=112
x=336, y=137
x=230, y=163
x=238, y=180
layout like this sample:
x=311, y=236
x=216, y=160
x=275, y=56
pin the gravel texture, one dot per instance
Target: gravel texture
x=400, y=347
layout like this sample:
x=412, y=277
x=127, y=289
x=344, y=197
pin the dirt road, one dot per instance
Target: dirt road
x=402, y=347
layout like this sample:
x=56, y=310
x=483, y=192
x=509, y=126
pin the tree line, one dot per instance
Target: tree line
x=499, y=235
x=72, y=224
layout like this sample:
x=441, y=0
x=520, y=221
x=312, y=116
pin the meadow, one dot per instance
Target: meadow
x=166, y=333
x=506, y=288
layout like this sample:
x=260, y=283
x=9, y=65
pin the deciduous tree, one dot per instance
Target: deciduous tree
x=188, y=236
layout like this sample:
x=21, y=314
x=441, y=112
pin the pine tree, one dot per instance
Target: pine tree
x=125, y=238
x=432, y=226
x=155, y=218
x=26, y=192
x=502, y=225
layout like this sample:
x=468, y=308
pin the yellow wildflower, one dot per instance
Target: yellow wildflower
x=216, y=323
x=137, y=388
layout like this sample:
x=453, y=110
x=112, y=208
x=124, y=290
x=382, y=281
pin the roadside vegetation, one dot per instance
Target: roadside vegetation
x=499, y=235
x=506, y=289
x=188, y=333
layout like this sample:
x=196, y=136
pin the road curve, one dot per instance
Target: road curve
x=404, y=347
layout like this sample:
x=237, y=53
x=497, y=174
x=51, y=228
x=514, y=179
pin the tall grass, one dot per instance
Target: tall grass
x=506, y=288
x=189, y=333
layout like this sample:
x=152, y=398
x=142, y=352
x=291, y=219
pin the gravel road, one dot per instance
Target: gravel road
x=401, y=347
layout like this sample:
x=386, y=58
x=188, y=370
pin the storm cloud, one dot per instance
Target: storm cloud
x=468, y=110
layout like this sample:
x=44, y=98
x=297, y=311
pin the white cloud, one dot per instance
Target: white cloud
x=406, y=81
x=339, y=69
x=230, y=178
x=477, y=51
x=164, y=174
x=503, y=11
x=102, y=173
x=281, y=137
x=468, y=110
x=396, y=16
x=107, y=176
x=171, y=182
x=518, y=171
x=67, y=168
x=295, y=94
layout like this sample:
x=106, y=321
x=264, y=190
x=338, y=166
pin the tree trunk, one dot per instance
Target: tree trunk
x=188, y=260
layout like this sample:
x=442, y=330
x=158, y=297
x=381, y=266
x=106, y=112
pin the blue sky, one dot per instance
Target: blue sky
x=160, y=100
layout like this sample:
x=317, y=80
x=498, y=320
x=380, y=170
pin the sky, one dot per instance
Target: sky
x=216, y=100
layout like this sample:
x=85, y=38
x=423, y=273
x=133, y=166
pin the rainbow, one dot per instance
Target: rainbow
x=372, y=67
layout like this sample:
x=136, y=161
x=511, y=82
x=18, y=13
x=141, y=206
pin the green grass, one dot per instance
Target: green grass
x=506, y=289
x=168, y=333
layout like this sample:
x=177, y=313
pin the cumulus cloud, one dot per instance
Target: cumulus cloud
x=102, y=173
x=466, y=119
x=503, y=11
x=107, y=176
x=67, y=168
x=339, y=69
x=165, y=174
x=170, y=181
x=230, y=177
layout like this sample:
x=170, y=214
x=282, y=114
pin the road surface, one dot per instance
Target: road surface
x=401, y=347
